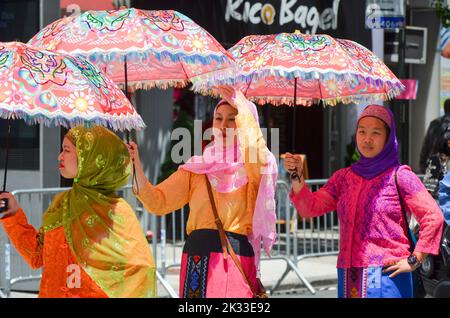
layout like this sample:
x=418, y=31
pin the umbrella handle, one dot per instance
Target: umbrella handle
x=5, y=207
x=7, y=155
x=293, y=117
x=2, y=209
x=134, y=184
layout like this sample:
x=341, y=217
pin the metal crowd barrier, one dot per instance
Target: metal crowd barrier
x=297, y=238
x=14, y=270
x=303, y=237
x=311, y=237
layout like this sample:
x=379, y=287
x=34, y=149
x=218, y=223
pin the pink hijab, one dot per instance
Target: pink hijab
x=229, y=175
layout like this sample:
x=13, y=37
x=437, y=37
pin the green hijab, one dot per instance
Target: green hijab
x=101, y=228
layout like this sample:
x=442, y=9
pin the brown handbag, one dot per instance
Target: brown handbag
x=228, y=249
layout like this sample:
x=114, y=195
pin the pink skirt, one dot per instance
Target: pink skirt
x=204, y=272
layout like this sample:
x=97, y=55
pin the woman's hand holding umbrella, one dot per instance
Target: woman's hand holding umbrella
x=13, y=206
x=234, y=97
x=138, y=173
x=294, y=165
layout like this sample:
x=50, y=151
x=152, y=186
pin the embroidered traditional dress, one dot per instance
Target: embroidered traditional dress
x=372, y=227
x=91, y=243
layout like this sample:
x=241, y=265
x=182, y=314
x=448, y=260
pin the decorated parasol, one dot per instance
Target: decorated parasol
x=43, y=87
x=141, y=48
x=302, y=69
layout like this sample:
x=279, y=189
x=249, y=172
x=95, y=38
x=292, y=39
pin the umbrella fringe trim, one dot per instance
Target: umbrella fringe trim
x=277, y=101
x=214, y=78
x=289, y=101
x=141, y=56
x=315, y=75
x=114, y=122
x=204, y=81
x=162, y=84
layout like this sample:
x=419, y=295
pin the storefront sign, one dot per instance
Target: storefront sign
x=385, y=14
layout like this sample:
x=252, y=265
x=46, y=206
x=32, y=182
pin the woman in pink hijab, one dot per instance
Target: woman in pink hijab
x=242, y=173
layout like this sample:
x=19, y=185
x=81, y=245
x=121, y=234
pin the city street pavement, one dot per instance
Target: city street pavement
x=316, y=270
x=319, y=271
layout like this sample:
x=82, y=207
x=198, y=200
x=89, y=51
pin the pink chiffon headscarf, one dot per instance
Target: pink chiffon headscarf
x=224, y=167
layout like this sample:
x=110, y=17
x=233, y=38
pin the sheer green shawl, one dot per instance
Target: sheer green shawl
x=101, y=228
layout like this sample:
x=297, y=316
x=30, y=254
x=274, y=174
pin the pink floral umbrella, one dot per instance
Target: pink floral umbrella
x=159, y=48
x=57, y=89
x=302, y=69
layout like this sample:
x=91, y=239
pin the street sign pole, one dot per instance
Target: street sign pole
x=402, y=111
x=392, y=14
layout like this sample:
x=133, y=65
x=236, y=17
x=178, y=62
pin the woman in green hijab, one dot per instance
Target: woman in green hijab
x=90, y=243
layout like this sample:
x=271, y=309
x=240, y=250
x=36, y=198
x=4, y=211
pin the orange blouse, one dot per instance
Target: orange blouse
x=235, y=208
x=182, y=187
x=62, y=277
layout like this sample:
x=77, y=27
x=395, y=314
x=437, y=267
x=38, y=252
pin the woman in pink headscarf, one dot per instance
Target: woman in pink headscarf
x=376, y=258
x=242, y=173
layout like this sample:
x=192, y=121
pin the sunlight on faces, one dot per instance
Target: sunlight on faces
x=224, y=124
x=68, y=160
x=231, y=143
x=371, y=136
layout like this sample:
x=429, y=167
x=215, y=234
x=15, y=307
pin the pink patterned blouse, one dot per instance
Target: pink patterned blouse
x=372, y=227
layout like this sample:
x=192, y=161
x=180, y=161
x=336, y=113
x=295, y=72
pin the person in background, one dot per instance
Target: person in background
x=431, y=141
x=438, y=165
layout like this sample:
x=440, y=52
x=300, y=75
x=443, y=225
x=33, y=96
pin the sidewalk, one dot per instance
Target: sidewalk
x=317, y=270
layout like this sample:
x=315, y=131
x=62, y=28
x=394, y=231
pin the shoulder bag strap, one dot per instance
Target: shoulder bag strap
x=226, y=245
x=402, y=204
